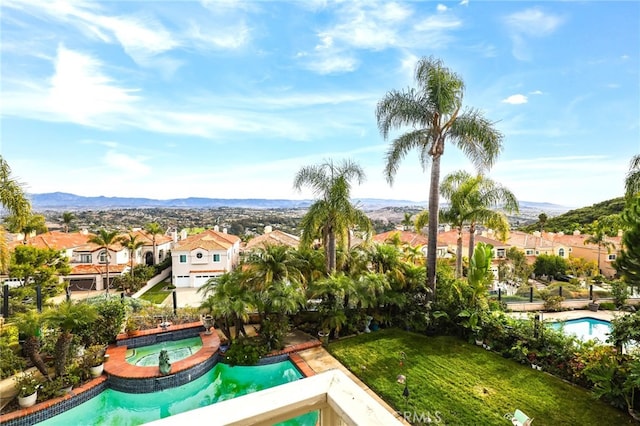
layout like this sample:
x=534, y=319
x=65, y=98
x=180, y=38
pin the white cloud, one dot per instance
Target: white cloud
x=533, y=22
x=333, y=64
x=515, y=99
x=464, y=3
x=441, y=7
x=438, y=23
x=529, y=23
x=125, y=163
x=536, y=92
x=228, y=37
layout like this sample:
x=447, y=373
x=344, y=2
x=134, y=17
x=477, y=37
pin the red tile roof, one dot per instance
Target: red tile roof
x=276, y=237
x=207, y=240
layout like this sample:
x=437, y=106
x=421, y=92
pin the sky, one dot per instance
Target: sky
x=230, y=99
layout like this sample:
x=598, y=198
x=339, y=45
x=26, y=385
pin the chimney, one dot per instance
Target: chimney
x=447, y=228
x=224, y=230
x=620, y=232
x=576, y=232
x=174, y=235
x=536, y=233
x=84, y=231
x=183, y=234
x=561, y=233
x=216, y=228
x=268, y=229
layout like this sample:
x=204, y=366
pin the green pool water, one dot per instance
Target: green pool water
x=222, y=382
x=147, y=356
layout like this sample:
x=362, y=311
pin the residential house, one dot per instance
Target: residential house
x=589, y=251
x=198, y=258
x=164, y=243
x=535, y=244
x=87, y=260
x=271, y=237
x=500, y=248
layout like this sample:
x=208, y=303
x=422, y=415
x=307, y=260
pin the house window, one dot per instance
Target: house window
x=501, y=253
x=102, y=257
x=528, y=252
x=199, y=255
x=611, y=257
x=85, y=258
x=537, y=252
x=183, y=258
x=561, y=252
x=216, y=258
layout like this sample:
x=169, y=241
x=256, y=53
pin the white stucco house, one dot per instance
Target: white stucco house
x=196, y=259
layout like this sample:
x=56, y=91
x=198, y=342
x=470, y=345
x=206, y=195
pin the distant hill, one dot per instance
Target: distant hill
x=568, y=221
x=70, y=202
x=66, y=201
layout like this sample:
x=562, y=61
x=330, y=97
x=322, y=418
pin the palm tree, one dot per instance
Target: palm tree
x=154, y=229
x=273, y=263
x=434, y=112
x=132, y=244
x=632, y=181
x=67, y=218
x=599, y=237
x=105, y=239
x=33, y=223
x=332, y=215
x=406, y=221
x=472, y=200
x=14, y=199
x=29, y=325
x=70, y=318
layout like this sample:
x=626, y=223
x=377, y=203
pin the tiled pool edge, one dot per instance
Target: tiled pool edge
x=52, y=407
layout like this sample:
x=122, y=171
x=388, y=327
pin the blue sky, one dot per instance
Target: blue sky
x=229, y=99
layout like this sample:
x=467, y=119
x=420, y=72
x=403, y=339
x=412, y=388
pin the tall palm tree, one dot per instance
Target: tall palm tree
x=472, y=202
x=14, y=199
x=632, y=181
x=67, y=218
x=132, y=243
x=434, y=111
x=33, y=223
x=599, y=238
x=154, y=229
x=105, y=239
x=332, y=215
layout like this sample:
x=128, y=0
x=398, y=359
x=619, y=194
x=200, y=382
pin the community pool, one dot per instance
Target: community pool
x=585, y=328
x=147, y=356
x=222, y=382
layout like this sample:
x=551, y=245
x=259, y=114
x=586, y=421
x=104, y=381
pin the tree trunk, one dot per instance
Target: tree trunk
x=32, y=349
x=107, y=285
x=331, y=254
x=472, y=239
x=432, y=240
x=459, y=254
x=62, y=353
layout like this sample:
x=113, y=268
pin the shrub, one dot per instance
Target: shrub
x=620, y=293
x=26, y=383
x=245, y=351
x=10, y=361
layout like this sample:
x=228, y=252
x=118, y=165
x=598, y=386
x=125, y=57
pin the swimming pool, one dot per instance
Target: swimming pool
x=147, y=356
x=585, y=328
x=114, y=408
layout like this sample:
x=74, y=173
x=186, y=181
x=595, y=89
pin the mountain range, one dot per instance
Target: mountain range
x=66, y=201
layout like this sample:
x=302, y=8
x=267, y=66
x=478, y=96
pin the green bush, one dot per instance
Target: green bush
x=10, y=361
x=245, y=351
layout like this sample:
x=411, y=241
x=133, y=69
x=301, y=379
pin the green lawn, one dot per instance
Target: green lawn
x=156, y=294
x=463, y=384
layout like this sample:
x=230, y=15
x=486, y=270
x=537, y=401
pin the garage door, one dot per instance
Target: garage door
x=82, y=284
x=201, y=280
x=181, y=281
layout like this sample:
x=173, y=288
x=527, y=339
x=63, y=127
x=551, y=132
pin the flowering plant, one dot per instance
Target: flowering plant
x=26, y=384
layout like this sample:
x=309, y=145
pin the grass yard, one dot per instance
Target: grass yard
x=156, y=294
x=463, y=384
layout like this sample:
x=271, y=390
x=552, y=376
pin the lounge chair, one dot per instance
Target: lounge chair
x=518, y=418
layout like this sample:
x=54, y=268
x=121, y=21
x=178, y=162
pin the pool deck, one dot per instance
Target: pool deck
x=119, y=367
x=569, y=315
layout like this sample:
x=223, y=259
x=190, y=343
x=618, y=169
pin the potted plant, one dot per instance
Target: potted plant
x=27, y=386
x=593, y=304
x=94, y=359
x=131, y=326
